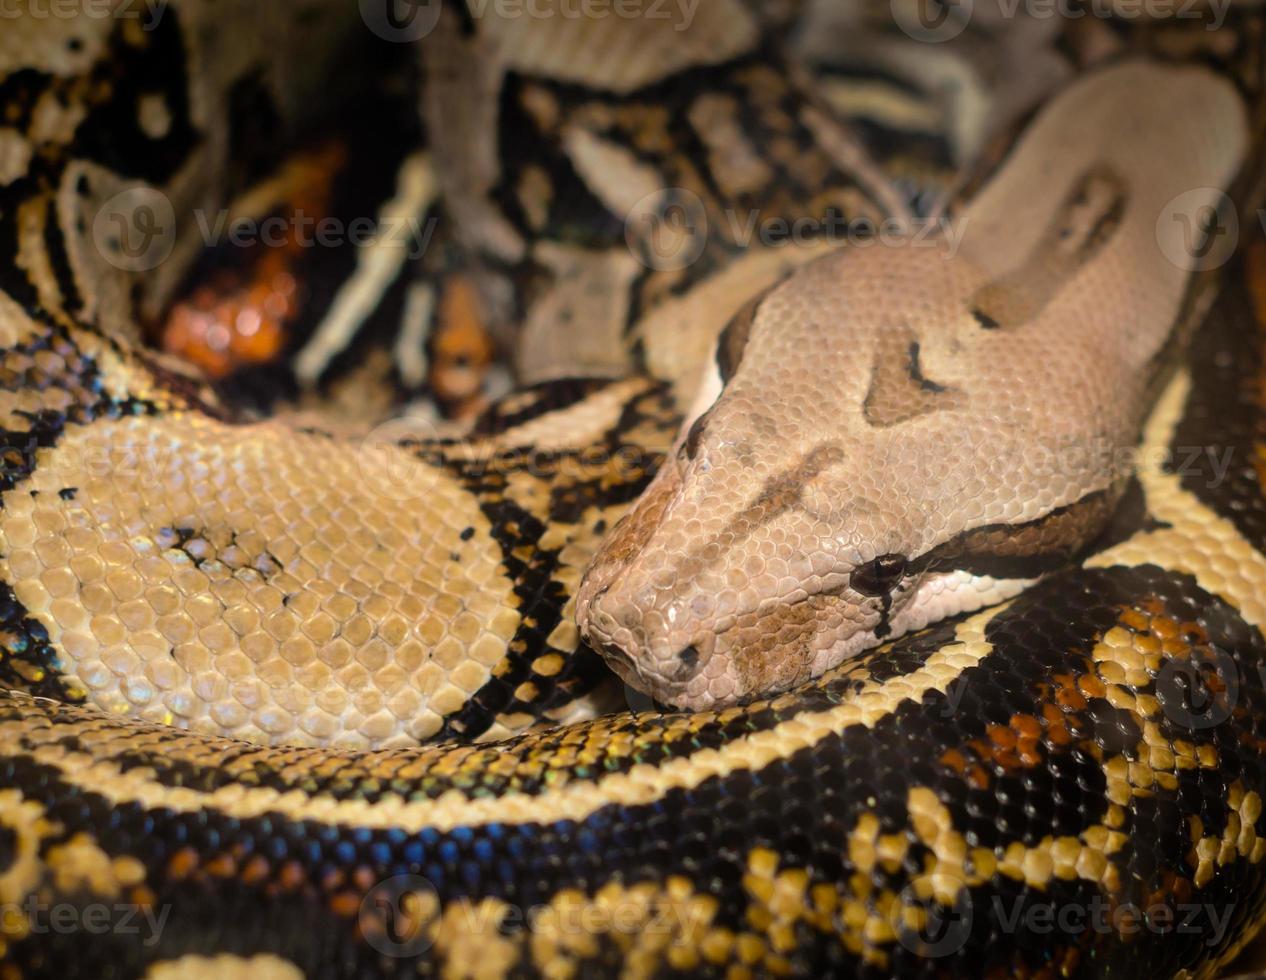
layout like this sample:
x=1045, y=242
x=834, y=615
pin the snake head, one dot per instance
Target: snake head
x=866, y=457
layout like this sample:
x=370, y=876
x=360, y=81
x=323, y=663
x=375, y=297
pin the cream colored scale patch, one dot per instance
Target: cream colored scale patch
x=263, y=966
x=94, y=771
x=258, y=582
x=1198, y=542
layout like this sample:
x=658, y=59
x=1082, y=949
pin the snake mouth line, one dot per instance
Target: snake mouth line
x=619, y=661
x=814, y=643
x=815, y=632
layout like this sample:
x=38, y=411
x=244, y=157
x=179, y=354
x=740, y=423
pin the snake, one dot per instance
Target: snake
x=884, y=601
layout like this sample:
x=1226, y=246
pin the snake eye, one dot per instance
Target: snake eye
x=879, y=577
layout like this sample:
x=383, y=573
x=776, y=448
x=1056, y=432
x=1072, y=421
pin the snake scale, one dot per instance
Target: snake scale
x=299, y=690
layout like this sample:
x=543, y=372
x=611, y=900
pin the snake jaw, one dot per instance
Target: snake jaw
x=686, y=638
x=622, y=614
x=777, y=644
x=762, y=650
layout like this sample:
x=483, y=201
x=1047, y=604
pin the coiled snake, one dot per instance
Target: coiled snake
x=295, y=693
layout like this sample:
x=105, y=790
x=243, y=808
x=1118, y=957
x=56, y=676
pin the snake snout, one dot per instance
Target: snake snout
x=621, y=620
x=599, y=621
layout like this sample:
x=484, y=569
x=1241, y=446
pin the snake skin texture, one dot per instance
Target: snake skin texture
x=301, y=694
x=928, y=427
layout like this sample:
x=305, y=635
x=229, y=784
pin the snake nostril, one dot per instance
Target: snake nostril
x=689, y=657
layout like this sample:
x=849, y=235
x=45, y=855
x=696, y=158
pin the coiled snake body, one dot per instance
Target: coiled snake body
x=306, y=695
